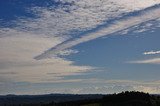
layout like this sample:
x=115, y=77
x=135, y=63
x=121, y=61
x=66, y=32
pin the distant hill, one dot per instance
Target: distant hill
x=132, y=98
x=37, y=100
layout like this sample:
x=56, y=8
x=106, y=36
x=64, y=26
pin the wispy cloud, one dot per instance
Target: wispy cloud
x=116, y=86
x=147, y=61
x=151, y=52
x=67, y=52
x=100, y=86
x=61, y=28
x=122, y=24
x=113, y=88
x=17, y=64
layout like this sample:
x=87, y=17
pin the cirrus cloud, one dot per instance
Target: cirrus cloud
x=151, y=52
x=147, y=61
x=72, y=22
x=118, y=25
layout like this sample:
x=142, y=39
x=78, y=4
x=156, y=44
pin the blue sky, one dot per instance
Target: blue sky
x=79, y=46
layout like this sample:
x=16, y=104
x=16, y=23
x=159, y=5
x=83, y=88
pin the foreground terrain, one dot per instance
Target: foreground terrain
x=122, y=99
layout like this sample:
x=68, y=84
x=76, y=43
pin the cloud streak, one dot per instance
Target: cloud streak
x=122, y=24
x=151, y=52
x=148, y=61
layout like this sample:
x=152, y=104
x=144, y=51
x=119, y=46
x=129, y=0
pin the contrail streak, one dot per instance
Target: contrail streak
x=119, y=25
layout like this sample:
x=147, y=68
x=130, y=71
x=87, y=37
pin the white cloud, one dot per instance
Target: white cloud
x=100, y=86
x=81, y=15
x=151, y=52
x=147, y=61
x=16, y=57
x=54, y=27
x=67, y=52
x=113, y=86
x=110, y=89
x=104, y=31
x=116, y=86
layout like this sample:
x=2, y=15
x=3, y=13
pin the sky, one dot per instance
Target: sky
x=79, y=46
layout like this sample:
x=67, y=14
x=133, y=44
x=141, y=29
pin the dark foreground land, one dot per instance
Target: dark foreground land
x=122, y=99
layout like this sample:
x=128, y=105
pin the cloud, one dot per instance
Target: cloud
x=67, y=52
x=151, y=52
x=17, y=64
x=148, y=89
x=122, y=24
x=54, y=28
x=104, y=89
x=100, y=86
x=148, y=61
x=72, y=17
x=116, y=86
x=110, y=89
x=67, y=20
x=103, y=86
x=95, y=81
x=62, y=27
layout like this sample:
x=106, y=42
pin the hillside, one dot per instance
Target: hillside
x=121, y=99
